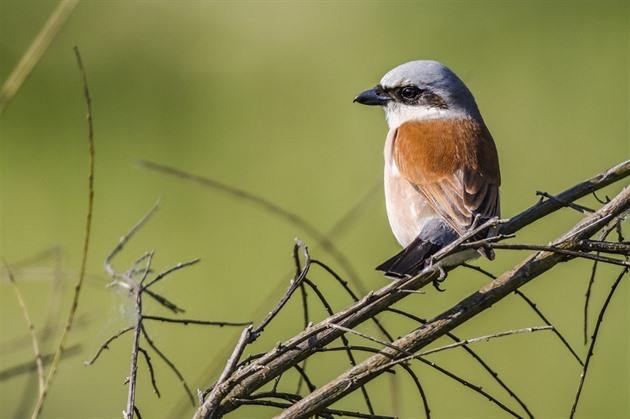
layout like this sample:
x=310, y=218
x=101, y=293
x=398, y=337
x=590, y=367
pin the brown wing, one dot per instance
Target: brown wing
x=454, y=165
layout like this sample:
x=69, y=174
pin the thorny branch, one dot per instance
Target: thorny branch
x=238, y=388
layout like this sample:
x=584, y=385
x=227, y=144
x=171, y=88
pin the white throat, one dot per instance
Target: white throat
x=397, y=114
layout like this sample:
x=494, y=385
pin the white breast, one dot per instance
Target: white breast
x=407, y=209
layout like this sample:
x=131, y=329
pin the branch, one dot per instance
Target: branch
x=264, y=369
x=476, y=303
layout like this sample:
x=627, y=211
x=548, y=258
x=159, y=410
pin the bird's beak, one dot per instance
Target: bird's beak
x=373, y=97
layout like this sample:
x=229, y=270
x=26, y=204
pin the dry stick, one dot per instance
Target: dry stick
x=192, y=321
x=163, y=301
x=589, y=356
x=529, y=269
x=35, y=51
x=423, y=396
x=86, y=241
x=587, y=299
x=106, y=344
x=328, y=412
x=135, y=348
x=591, y=281
x=302, y=345
x=486, y=338
x=305, y=377
x=52, y=312
x=123, y=240
x=605, y=247
x=30, y=325
x=147, y=358
x=567, y=252
x=170, y=270
x=305, y=312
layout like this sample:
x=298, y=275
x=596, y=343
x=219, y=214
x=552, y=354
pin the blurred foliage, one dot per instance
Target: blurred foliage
x=259, y=95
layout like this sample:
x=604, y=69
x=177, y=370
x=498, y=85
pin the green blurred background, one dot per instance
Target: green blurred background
x=259, y=95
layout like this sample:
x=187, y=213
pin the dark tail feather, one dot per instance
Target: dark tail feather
x=409, y=261
x=412, y=259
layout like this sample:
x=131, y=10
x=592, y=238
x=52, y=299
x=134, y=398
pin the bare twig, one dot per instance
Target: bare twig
x=555, y=249
x=589, y=356
x=326, y=412
x=147, y=358
x=105, y=345
x=486, y=338
x=591, y=281
x=86, y=241
x=192, y=321
x=38, y=47
x=605, y=247
x=135, y=347
x=30, y=325
x=172, y=269
x=123, y=240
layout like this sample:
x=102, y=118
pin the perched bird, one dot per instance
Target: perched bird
x=441, y=166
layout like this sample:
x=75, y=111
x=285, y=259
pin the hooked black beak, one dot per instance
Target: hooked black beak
x=373, y=97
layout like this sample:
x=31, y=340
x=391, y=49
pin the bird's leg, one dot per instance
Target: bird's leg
x=437, y=281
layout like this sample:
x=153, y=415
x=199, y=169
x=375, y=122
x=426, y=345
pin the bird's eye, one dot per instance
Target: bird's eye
x=410, y=92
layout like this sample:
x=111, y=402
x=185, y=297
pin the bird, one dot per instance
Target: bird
x=442, y=173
